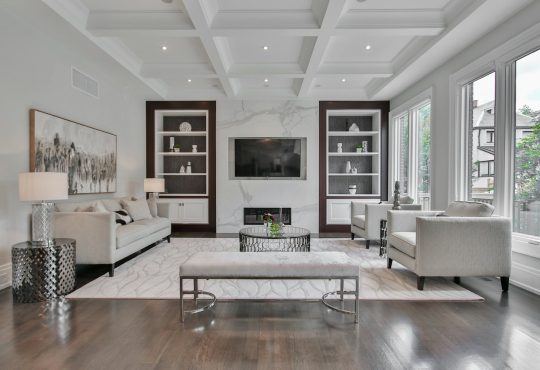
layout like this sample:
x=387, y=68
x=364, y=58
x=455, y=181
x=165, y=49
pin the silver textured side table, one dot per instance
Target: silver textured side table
x=42, y=272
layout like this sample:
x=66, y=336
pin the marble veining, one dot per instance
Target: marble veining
x=154, y=275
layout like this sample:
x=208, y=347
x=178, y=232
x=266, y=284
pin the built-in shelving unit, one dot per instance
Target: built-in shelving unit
x=189, y=192
x=352, y=134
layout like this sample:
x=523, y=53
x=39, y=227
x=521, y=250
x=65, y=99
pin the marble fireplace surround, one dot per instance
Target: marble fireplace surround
x=276, y=118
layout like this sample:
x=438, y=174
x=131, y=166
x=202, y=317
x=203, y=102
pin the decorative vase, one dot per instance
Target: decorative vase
x=359, y=149
x=188, y=168
x=194, y=148
x=176, y=150
x=340, y=147
x=352, y=189
x=348, y=167
x=182, y=169
x=364, y=146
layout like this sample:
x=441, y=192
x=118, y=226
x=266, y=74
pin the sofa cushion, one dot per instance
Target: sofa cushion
x=406, y=200
x=127, y=234
x=469, y=209
x=138, y=209
x=154, y=224
x=114, y=204
x=404, y=242
x=359, y=221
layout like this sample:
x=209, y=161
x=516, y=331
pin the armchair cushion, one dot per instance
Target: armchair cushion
x=404, y=242
x=359, y=221
x=469, y=209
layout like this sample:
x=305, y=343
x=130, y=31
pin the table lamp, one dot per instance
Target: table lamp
x=154, y=186
x=41, y=188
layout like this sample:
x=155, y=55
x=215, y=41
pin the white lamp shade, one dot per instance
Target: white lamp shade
x=154, y=185
x=38, y=186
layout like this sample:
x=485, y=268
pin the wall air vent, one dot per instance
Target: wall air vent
x=84, y=83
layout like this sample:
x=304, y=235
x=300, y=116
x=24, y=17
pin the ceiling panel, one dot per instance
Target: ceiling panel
x=133, y=5
x=260, y=83
x=179, y=49
x=337, y=83
x=353, y=48
x=250, y=49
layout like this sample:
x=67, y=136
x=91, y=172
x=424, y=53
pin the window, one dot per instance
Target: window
x=480, y=121
x=490, y=136
x=412, y=145
x=526, y=209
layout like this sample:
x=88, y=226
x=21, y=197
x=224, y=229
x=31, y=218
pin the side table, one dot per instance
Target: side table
x=42, y=272
x=383, y=234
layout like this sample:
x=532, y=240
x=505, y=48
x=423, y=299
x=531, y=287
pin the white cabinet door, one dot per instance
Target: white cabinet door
x=338, y=211
x=194, y=211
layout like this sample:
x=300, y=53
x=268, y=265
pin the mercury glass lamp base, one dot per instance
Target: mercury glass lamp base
x=42, y=223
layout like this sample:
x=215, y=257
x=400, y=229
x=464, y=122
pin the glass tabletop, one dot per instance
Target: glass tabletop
x=264, y=232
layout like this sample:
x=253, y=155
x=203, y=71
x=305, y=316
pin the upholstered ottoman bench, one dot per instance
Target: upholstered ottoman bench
x=268, y=266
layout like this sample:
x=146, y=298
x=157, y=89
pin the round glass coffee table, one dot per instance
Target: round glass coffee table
x=261, y=239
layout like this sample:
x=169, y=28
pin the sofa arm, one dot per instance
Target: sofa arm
x=463, y=246
x=94, y=233
x=406, y=220
x=374, y=214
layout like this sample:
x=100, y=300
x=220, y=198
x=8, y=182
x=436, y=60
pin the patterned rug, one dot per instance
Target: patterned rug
x=154, y=275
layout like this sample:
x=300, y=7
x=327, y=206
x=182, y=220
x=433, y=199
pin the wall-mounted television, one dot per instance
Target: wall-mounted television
x=272, y=158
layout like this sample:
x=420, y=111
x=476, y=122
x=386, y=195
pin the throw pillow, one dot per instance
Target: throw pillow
x=469, y=209
x=406, y=200
x=122, y=217
x=137, y=209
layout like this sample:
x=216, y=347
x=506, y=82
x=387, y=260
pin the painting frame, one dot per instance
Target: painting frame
x=106, y=180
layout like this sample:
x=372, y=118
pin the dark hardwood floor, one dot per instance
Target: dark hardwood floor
x=502, y=332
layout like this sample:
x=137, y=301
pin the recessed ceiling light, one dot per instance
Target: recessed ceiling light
x=189, y=80
x=343, y=80
x=265, y=47
x=266, y=80
x=368, y=47
x=164, y=48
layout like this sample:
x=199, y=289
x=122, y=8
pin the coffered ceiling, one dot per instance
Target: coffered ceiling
x=323, y=49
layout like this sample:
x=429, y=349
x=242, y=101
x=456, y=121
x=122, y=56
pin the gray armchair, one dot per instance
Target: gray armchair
x=366, y=218
x=474, y=244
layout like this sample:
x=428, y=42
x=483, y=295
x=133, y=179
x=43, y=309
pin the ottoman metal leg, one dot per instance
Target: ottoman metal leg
x=356, y=310
x=181, y=299
x=341, y=290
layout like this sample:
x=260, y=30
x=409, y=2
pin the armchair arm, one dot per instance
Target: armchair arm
x=374, y=214
x=94, y=233
x=358, y=208
x=406, y=220
x=463, y=246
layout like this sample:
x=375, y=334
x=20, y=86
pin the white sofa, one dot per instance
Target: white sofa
x=465, y=240
x=100, y=240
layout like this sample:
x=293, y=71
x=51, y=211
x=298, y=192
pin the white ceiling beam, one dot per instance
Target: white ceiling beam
x=334, y=10
x=282, y=69
x=264, y=19
x=375, y=69
x=200, y=20
x=162, y=70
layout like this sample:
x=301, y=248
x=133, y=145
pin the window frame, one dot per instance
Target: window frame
x=502, y=60
x=409, y=109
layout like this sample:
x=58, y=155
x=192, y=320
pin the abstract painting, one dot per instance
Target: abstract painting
x=86, y=154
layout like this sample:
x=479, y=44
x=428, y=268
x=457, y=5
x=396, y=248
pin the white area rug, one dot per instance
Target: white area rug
x=154, y=275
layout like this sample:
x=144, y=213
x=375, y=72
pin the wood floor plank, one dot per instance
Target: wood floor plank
x=501, y=332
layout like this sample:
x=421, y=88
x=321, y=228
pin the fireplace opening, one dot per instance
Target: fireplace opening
x=254, y=216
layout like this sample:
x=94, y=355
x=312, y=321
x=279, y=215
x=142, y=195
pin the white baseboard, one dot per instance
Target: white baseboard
x=5, y=275
x=525, y=277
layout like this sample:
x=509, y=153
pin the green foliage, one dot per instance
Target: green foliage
x=527, y=160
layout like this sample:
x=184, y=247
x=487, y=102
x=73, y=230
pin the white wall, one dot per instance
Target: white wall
x=526, y=268
x=270, y=119
x=37, y=51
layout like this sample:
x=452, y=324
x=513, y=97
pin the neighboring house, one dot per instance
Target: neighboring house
x=483, y=147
